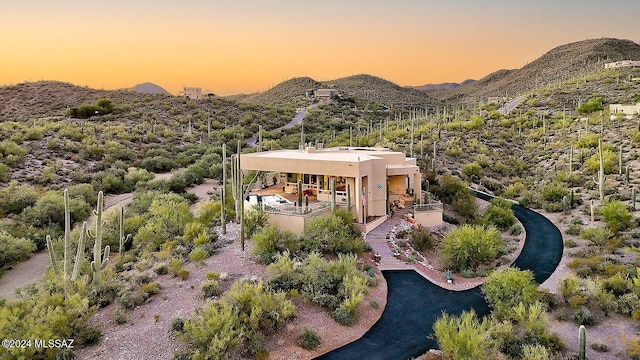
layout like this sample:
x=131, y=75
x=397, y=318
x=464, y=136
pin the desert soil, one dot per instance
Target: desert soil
x=147, y=333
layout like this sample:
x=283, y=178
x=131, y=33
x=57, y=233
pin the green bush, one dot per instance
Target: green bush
x=198, y=254
x=499, y=214
x=554, y=192
x=597, y=236
x=210, y=288
x=270, y=241
x=583, y=316
x=464, y=337
x=332, y=234
x=421, y=238
x=616, y=215
x=469, y=246
x=504, y=290
x=14, y=249
x=254, y=220
x=308, y=339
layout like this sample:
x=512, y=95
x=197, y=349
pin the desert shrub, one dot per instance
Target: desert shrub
x=592, y=164
x=120, y=316
x=535, y=352
x=464, y=337
x=569, y=287
x=15, y=198
x=88, y=335
x=469, y=246
x=270, y=241
x=499, y=213
x=599, y=347
x=554, y=192
x=177, y=325
x=472, y=170
x=214, y=331
x=584, y=316
x=198, y=254
x=260, y=310
x=330, y=284
x=331, y=233
x=616, y=215
x=515, y=230
x=14, y=249
x=161, y=268
x=151, y=288
x=597, y=236
x=254, y=220
x=192, y=230
x=168, y=214
x=504, y=290
x=573, y=229
x=210, y=288
x=183, y=274
x=308, y=338
x=49, y=209
x=421, y=238
x=158, y=164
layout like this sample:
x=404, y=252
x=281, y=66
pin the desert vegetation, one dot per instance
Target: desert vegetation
x=560, y=152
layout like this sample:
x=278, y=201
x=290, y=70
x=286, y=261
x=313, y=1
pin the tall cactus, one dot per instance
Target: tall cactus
x=601, y=177
x=349, y=197
x=299, y=196
x=571, y=160
x=620, y=160
x=123, y=239
x=99, y=260
x=223, y=190
x=67, y=272
x=582, y=354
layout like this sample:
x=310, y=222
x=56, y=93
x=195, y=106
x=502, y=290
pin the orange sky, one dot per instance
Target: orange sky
x=244, y=46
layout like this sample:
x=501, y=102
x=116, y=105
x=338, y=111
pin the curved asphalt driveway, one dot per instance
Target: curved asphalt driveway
x=414, y=303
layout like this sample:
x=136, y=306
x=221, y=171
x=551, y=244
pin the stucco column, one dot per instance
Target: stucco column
x=417, y=184
x=358, y=202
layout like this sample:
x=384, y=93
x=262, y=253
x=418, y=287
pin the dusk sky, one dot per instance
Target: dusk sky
x=245, y=46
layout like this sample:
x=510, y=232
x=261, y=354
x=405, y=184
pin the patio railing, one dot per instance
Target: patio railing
x=296, y=210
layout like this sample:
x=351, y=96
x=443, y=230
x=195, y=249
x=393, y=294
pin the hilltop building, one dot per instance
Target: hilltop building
x=193, y=93
x=371, y=182
x=628, y=110
x=322, y=94
x=623, y=63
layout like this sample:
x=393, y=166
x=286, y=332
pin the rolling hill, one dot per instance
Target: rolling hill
x=150, y=88
x=559, y=64
x=362, y=86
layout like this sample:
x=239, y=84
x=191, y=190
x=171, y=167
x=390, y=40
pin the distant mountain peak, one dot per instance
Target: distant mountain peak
x=149, y=88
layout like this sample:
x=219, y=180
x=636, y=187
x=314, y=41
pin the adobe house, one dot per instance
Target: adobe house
x=368, y=180
x=193, y=93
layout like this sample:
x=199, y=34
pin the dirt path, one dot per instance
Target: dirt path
x=203, y=192
x=30, y=271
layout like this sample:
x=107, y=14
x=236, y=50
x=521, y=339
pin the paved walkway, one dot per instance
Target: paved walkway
x=377, y=238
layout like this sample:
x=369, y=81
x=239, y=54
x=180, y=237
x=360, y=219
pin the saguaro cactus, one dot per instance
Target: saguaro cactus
x=223, y=190
x=123, y=239
x=99, y=260
x=67, y=272
x=582, y=354
x=601, y=177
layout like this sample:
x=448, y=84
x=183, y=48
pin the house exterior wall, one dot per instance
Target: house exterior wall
x=364, y=169
x=193, y=93
x=626, y=109
x=623, y=63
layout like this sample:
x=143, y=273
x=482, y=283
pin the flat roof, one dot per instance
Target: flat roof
x=340, y=154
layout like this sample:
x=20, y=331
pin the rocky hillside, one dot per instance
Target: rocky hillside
x=285, y=91
x=379, y=90
x=443, y=86
x=366, y=87
x=560, y=64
